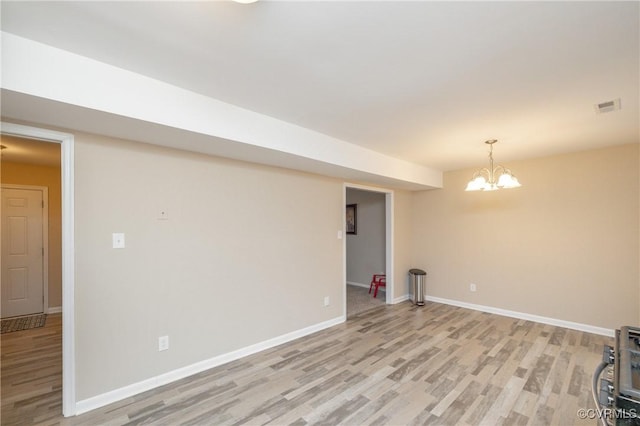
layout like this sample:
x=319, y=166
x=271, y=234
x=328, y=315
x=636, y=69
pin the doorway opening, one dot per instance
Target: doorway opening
x=62, y=301
x=368, y=248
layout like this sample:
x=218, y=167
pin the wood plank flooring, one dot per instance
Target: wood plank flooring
x=31, y=374
x=394, y=365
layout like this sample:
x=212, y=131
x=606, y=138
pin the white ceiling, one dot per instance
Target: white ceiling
x=426, y=82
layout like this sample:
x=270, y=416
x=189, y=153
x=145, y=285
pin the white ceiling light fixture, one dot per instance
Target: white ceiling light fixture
x=485, y=178
x=245, y=1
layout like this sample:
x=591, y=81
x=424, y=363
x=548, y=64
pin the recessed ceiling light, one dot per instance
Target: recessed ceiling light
x=607, y=106
x=245, y=1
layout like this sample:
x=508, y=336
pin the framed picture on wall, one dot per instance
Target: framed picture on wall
x=352, y=219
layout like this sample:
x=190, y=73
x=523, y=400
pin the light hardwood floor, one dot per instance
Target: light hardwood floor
x=31, y=373
x=394, y=365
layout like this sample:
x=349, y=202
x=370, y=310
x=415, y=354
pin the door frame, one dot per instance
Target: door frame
x=389, y=254
x=66, y=141
x=45, y=237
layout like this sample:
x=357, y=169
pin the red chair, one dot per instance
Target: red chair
x=378, y=280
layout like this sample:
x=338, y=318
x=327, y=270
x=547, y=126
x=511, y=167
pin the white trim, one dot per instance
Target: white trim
x=68, y=266
x=361, y=285
x=180, y=373
x=367, y=286
x=529, y=317
x=343, y=233
x=389, y=251
x=45, y=236
x=401, y=299
x=54, y=310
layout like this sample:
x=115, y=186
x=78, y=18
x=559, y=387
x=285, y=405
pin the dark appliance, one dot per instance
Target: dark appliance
x=617, y=394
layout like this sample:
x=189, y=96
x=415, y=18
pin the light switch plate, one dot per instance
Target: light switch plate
x=163, y=343
x=118, y=240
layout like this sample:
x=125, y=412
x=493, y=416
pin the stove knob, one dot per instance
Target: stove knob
x=605, y=398
x=606, y=384
x=608, y=354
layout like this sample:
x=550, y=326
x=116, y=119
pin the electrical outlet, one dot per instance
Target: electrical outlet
x=472, y=287
x=163, y=343
x=327, y=301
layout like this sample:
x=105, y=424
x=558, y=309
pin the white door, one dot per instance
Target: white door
x=22, y=252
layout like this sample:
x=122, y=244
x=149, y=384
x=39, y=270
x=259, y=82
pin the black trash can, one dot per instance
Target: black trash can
x=418, y=278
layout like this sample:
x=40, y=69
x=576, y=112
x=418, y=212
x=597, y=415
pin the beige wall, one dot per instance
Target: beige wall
x=402, y=246
x=30, y=174
x=248, y=254
x=564, y=246
x=366, y=250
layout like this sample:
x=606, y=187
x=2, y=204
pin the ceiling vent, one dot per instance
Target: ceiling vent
x=607, y=106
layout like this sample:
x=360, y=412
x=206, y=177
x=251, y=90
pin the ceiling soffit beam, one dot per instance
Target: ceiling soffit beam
x=42, y=71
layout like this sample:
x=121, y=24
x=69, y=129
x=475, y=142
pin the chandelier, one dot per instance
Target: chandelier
x=485, y=178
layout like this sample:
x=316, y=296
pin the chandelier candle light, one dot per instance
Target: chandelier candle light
x=485, y=178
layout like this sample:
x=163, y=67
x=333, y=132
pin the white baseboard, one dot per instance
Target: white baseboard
x=401, y=299
x=54, y=310
x=530, y=317
x=384, y=289
x=171, y=376
x=359, y=285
